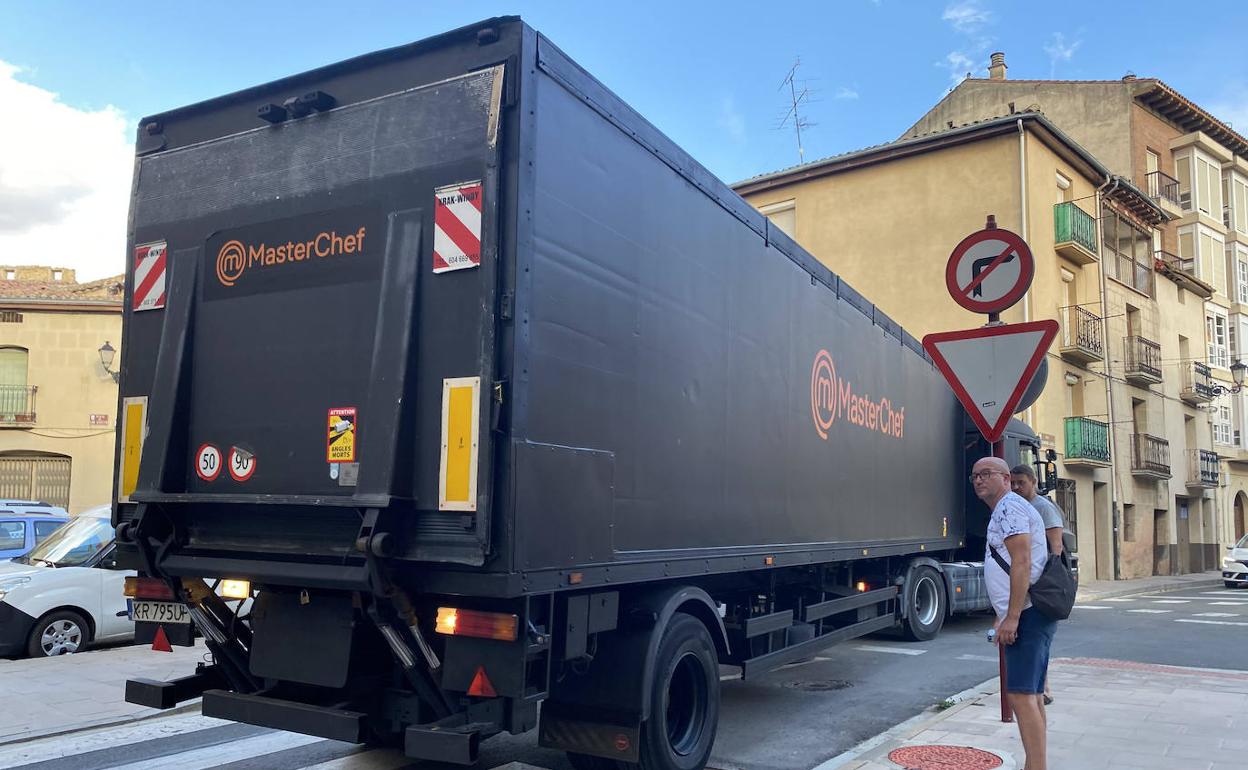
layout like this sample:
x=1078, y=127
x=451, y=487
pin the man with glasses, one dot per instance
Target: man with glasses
x=1016, y=536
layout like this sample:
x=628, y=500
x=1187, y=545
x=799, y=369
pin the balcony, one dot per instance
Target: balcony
x=17, y=405
x=1164, y=190
x=1202, y=469
x=1143, y=361
x=1074, y=233
x=1181, y=271
x=1082, y=342
x=1150, y=456
x=1087, y=443
x=1197, y=385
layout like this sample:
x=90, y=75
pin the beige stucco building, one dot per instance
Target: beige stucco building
x=887, y=219
x=57, y=402
x=1196, y=168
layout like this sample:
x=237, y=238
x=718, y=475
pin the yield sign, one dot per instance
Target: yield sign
x=989, y=368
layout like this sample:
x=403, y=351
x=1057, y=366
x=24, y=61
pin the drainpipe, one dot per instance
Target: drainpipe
x=1022, y=218
x=1114, y=493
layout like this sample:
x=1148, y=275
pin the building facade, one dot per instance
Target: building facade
x=1196, y=168
x=887, y=219
x=58, y=403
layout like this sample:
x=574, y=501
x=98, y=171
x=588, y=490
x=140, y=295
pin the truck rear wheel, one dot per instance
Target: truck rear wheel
x=925, y=603
x=684, y=700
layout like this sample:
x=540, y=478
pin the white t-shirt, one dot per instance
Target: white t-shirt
x=1012, y=516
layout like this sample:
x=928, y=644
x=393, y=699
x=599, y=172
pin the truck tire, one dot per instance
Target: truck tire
x=925, y=603
x=684, y=699
x=63, y=632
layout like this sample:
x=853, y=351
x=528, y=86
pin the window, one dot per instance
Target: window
x=10, y=275
x=56, y=275
x=1237, y=203
x=1208, y=256
x=10, y=317
x=14, y=394
x=1127, y=251
x=1063, y=188
x=1241, y=273
x=1222, y=424
x=1216, y=336
x=45, y=528
x=1208, y=187
x=12, y=535
x=1183, y=169
x=783, y=215
x=1151, y=162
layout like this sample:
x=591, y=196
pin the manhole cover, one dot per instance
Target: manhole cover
x=944, y=758
x=823, y=686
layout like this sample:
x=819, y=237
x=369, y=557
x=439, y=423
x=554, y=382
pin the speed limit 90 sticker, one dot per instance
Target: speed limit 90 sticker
x=242, y=464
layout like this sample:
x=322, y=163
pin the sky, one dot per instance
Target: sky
x=76, y=77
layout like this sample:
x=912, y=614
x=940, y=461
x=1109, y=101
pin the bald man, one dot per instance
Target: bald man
x=1016, y=537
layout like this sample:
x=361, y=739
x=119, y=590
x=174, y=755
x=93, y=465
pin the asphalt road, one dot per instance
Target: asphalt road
x=791, y=719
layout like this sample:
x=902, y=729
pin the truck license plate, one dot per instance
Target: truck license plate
x=159, y=612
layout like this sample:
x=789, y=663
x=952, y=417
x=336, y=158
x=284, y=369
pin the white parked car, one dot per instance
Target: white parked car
x=1235, y=564
x=66, y=593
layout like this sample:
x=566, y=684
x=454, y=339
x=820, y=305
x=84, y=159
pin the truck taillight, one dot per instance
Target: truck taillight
x=148, y=588
x=483, y=625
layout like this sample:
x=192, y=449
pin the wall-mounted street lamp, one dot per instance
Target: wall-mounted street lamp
x=108, y=353
x=1237, y=373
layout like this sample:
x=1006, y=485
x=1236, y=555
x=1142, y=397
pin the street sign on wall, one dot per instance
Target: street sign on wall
x=989, y=368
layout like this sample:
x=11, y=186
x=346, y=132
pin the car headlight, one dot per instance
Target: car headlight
x=10, y=584
x=1227, y=562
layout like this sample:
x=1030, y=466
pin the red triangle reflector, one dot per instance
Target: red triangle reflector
x=481, y=685
x=161, y=642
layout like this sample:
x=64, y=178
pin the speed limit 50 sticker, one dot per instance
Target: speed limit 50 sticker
x=208, y=462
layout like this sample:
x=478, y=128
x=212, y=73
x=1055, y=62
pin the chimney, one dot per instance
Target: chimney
x=996, y=70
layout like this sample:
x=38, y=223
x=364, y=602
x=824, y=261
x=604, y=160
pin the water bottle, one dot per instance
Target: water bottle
x=992, y=635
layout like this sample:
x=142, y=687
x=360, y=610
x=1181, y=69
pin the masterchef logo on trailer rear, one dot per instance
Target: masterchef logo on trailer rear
x=833, y=398
x=323, y=248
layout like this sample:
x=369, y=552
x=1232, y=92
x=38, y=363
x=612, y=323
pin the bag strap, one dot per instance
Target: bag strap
x=1000, y=562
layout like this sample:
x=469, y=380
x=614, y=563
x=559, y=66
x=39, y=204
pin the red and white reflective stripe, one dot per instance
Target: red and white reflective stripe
x=457, y=227
x=149, y=276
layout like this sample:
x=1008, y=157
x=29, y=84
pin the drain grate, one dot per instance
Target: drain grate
x=944, y=758
x=821, y=686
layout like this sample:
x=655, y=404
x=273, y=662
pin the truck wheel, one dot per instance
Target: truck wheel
x=58, y=633
x=684, y=700
x=924, y=597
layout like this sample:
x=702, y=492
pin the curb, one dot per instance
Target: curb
x=916, y=724
x=1114, y=593
x=103, y=723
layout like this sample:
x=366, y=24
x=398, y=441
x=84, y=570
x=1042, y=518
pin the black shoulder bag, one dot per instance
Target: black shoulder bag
x=1053, y=593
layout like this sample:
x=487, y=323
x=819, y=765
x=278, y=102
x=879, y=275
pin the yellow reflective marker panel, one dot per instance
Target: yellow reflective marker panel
x=133, y=431
x=461, y=411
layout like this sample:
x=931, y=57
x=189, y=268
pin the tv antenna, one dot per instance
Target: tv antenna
x=798, y=98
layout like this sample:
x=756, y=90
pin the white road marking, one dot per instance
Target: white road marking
x=1092, y=607
x=1188, y=597
x=1211, y=622
x=1227, y=604
x=1217, y=614
x=1224, y=592
x=211, y=756
x=1171, y=601
x=988, y=658
x=1119, y=599
x=891, y=650
x=1152, y=612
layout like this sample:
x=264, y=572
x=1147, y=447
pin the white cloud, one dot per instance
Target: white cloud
x=845, y=92
x=966, y=16
x=958, y=64
x=1060, y=51
x=64, y=181
x=731, y=121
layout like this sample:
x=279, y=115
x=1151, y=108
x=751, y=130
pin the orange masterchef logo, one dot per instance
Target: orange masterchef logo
x=833, y=398
x=236, y=257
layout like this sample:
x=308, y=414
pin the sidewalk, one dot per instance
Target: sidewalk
x=46, y=696
x=1107, y=714
x=1095, y=590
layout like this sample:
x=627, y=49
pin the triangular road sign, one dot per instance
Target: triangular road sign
x=989, y=368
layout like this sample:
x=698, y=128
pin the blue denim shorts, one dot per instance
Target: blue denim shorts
x=1027, y=660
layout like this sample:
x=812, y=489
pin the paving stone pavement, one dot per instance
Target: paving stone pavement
x=1107, y=714
x=45, y=696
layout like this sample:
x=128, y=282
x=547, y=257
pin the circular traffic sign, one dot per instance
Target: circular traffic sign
x=208, y=462
x=989, y=270
x=242, y=464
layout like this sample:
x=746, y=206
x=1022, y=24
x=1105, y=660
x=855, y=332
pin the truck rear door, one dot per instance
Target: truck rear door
x=311, y=317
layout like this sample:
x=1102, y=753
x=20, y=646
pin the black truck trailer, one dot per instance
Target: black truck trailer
x=480, y=393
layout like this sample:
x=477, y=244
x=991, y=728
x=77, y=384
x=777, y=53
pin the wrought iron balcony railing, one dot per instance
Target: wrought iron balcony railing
x=1087, y=441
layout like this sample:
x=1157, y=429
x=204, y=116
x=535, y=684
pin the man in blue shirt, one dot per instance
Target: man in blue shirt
x=1016, y=535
